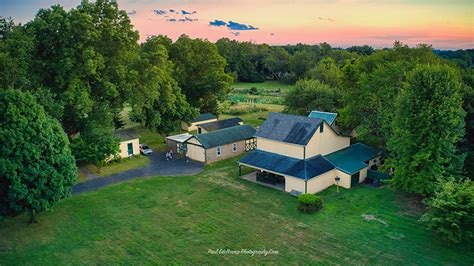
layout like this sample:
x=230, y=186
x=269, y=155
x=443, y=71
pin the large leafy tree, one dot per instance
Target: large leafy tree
x=16, y=49
x=427, y=126
x=371, y=85
x=36, y=165
x=97, y=142
x=327, y=72
x=451, y=210
x=199, y=70
x=84, y=56
x=309, y=95
x=245, y=59
x=277, y=62
x=157, y=100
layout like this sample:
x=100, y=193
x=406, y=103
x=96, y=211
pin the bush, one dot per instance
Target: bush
x=309, y=203
x=451, y=210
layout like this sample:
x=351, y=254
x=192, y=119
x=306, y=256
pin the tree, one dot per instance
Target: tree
x=199, y=70
x=157, y=101
x=370, y=87
x=16, y=49
x=327, y=72
x=451, y=210
x=308, y=95
x=36, y=165
x=84, y=56
x=277, y=62
x=96, y=142
x=428, y=124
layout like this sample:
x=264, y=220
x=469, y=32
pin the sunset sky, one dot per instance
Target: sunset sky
x=445, y=24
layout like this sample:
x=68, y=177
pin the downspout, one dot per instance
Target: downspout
x=305, y=175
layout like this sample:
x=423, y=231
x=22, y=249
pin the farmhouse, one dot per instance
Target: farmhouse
x=219, y=124
x=203, y=118
x=129, y=142
x=221, y=144
x=301, y=154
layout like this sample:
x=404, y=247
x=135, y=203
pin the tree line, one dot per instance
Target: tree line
x=79, y=69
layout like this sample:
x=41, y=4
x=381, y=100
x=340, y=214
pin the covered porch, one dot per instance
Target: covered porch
x=266, y=179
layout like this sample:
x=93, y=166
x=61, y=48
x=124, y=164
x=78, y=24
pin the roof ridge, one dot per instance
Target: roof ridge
x=324, y=112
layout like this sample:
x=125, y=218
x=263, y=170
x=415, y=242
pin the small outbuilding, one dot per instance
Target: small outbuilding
x=203, y=118
x=219, y=124
x=177, y=143
x=221, y=144
x=129, y=142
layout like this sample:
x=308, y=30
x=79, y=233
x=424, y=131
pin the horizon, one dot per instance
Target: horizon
x=340, y=23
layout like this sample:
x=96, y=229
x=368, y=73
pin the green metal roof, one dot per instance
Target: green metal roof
x=352, y=158
x=328, y=117
x=204, y=117
x=226, y=136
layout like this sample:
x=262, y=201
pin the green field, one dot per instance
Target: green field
x=268, y=92
x=177, y=220
x=253, y=118
x=269, y=84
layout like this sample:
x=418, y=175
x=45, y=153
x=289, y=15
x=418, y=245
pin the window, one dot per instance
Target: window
x=234, y=147
x=250, y=144
x=321, y=128
x=218, y=151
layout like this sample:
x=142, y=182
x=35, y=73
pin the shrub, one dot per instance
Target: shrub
x=309, y=203
x=451, y=210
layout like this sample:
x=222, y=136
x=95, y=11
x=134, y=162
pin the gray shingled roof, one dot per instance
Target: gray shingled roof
x=127, y=134
x=225, y=136
x=220, y=124
x=204, y=117
x=289, y=128
x=304, y=169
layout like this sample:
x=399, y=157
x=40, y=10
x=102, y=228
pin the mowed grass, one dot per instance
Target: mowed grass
x=177, y=220
x=269, y=84
x=255, y=118
x=120, y=166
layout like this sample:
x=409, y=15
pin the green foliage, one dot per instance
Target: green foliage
x=96, y=142
x=84, y=56
x=36, y=165
x=327, y=72
x=244, y=59
x=199, y=70
x=371, y=85
x=309, y=203
x=277, y=62
x=428, y=123
x=451, y=210
x=157, y=101
x=308, y=95
x=16, y=47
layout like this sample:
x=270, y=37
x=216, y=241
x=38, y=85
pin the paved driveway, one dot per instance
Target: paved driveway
x=158, y=166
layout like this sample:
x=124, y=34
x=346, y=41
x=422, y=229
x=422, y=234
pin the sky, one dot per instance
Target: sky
x=445, y=24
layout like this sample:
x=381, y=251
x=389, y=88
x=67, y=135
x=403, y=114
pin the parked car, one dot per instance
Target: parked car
x=145, y=149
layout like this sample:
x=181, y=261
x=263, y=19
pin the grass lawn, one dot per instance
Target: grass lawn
x=120, y=166
x=177, y=220
x=255, y=118
x=269, y=84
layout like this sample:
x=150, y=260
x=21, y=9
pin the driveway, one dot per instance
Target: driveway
x=158, y=166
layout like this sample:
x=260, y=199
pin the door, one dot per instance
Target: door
x=355, y=179
x=130, y=149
